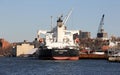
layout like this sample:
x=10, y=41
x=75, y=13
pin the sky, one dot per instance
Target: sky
x=21, y=19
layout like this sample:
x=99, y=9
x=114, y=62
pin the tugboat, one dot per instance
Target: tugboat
x=58, y=43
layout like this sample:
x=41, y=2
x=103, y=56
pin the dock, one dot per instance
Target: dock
x=93, y=56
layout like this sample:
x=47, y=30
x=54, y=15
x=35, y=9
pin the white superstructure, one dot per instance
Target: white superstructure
x=59, y=37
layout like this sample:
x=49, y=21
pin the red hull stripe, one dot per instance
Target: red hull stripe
x=66, y=58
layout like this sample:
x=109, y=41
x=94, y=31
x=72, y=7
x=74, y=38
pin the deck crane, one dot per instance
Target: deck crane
x=67, y=17
x=101, y=33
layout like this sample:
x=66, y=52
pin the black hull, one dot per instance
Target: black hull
x=59, y=54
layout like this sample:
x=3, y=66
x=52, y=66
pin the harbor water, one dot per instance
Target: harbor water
x=34, y=66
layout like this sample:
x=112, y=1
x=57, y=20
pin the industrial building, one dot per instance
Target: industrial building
x=23, y=49
x=83, y=35
x=4, y=44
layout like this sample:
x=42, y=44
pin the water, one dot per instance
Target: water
x=33, y=66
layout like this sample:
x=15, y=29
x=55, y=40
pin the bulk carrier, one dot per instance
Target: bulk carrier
x=58, y=43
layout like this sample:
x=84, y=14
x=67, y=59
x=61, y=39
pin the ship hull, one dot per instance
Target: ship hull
x=66, y=58
x=59, y=54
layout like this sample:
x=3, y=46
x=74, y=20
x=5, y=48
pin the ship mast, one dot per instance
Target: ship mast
x=51, y=22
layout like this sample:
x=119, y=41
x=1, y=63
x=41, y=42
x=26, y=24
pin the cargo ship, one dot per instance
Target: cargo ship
x=58, y=43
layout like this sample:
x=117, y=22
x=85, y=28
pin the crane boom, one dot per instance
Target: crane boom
x=67, y=17
x=100, y=29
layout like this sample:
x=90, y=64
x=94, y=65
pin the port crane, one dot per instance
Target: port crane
x=101, y=34
x=100, y=29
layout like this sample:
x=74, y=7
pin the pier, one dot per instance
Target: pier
x=93, y=56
